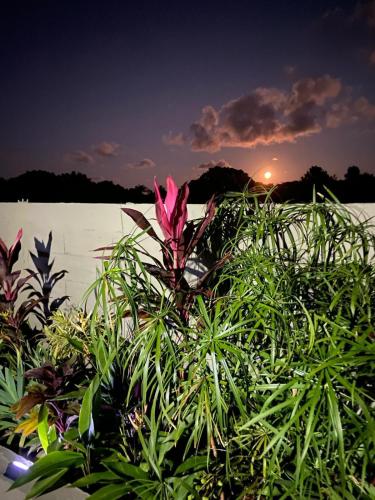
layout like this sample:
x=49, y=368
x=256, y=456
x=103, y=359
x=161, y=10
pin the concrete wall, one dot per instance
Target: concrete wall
x=78, y=229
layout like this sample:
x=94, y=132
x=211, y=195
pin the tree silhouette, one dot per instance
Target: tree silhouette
x=73, y=187
x=352, y=174
x=42, y=186
x=317, y=176
x=218, y=180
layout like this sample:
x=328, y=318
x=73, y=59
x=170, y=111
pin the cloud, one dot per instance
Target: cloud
x=372, y=57
x=107, y=149
x=314, y=90
x=171, y=139
x=269, y=115
x=145, y=163
x=265, y=116
x=363, y=108
x=350, y=111
x=80, y=157
x=275, y=158
x=212, y=163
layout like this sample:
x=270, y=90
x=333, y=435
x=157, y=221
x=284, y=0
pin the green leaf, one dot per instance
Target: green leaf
x=96, y=477
x=43, y=427
x=45, y=484
x=126, y=470
x=112, y=491
x=48, y=464
x=52, y=435
x=85, y=415
x=192, y=463
x=77, y=344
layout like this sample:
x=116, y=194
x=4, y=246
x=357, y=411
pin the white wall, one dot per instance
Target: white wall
x=78, y=229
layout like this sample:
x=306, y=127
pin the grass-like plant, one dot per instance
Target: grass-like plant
x=264, y=390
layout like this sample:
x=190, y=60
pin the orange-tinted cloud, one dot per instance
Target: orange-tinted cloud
x=107, y=149
x=173, y=139
x=80, y=157
x=270, y=116
x=350, y=111
x=145, y=163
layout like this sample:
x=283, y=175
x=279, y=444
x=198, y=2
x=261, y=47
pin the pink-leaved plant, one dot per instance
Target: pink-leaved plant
x=11, y=285
x=180, y=240
x=10, y=281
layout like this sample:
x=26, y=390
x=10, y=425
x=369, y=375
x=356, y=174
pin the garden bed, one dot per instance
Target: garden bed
x=256, y=380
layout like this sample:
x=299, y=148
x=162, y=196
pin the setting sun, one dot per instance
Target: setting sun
x=267, y=175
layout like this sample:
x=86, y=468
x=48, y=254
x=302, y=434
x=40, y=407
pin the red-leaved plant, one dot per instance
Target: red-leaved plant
x=11, y=284
x=180, y=240
x=52, y=383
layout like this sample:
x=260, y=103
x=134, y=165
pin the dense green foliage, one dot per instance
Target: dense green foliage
x=266, y=391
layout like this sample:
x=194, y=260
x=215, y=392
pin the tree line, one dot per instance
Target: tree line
x=42, y=186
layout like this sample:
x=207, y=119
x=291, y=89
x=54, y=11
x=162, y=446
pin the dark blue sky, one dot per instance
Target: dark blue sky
x=128, y=90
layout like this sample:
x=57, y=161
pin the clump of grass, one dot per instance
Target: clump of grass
x=303, y=279
x=266, y=389
x=272, y=379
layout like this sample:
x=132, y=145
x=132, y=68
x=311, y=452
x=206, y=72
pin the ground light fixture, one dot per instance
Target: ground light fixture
x=17, y=468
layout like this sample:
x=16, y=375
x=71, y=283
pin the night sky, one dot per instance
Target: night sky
x=128, y=90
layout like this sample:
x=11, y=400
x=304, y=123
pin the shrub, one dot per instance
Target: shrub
x=260, y=385
x=15, y=331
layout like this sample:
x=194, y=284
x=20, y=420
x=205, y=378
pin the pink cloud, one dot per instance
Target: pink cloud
x=107, y=149
x=270, y=115
x=171, y=139
x=145, y=163
x=80, y=157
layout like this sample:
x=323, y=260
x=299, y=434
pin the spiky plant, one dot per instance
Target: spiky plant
x=267, y=390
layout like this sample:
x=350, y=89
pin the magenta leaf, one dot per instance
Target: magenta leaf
x=170, y=199
x=141, y=221
x=161, y=215
x=210, y=213
x=8, y=257
x=23, y=311
x=14, y=250
x=110, y=247
x=180, y=214
x=163, y=274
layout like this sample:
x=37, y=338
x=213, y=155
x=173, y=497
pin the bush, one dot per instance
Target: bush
x=259, y=384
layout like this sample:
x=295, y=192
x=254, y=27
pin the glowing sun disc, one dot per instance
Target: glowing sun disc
x=267, y=175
